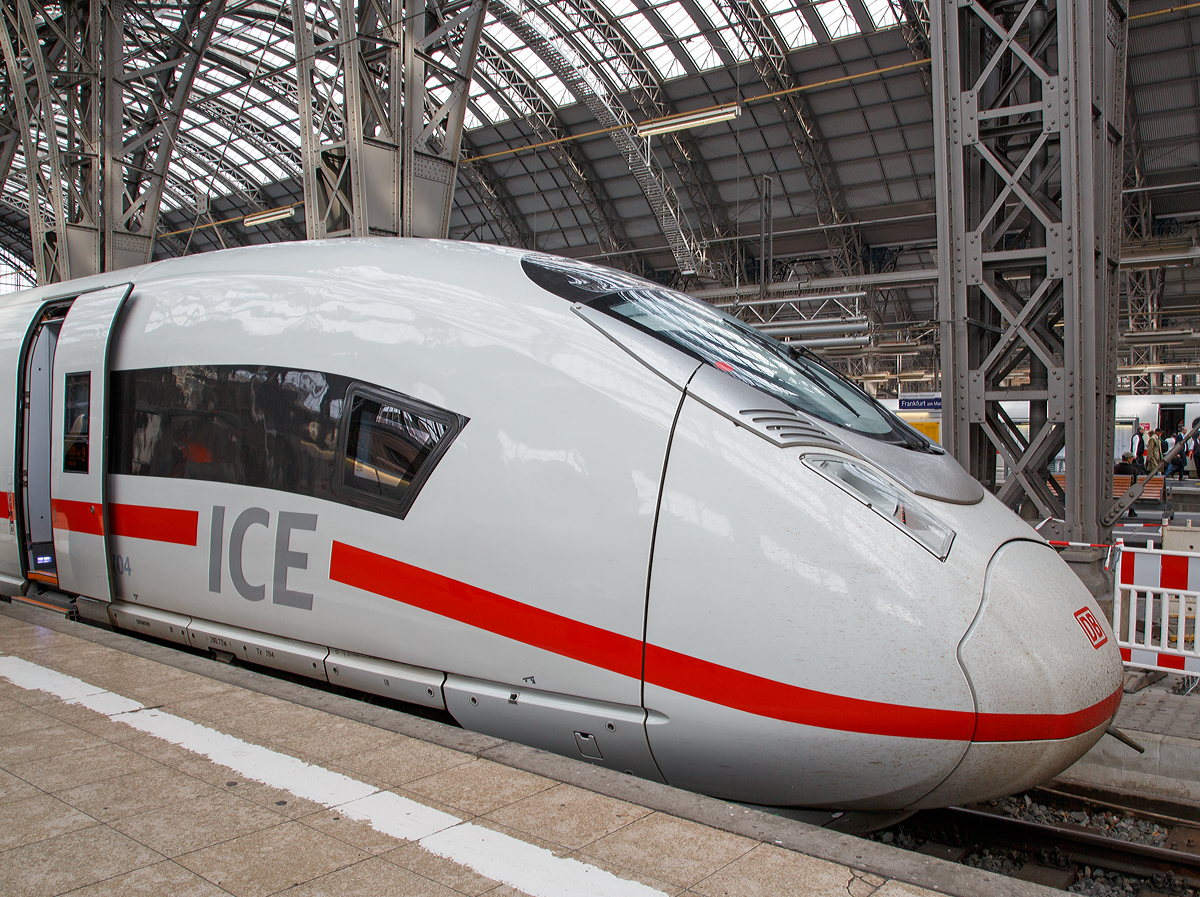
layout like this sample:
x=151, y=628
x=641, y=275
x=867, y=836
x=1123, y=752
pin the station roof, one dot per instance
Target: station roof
x=535, y=174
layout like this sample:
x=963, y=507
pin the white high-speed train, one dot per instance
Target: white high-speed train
x=573, y=508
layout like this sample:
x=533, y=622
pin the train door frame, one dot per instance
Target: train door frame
x=35, y=423
x=79, y=426
x=1167, y=417
x=77, y=447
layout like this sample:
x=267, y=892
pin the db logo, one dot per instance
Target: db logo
x=1091, y=627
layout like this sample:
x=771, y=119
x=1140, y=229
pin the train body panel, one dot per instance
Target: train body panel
x=804, y=620
x=547, y=500
x=436, y=471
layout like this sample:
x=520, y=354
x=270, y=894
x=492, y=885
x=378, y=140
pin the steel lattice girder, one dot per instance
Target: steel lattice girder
x=521, y=20
x=100, y=90
x=759, y=35
x=1029, y=166
x=379, y=155
x=539, y=114
x=642, y=85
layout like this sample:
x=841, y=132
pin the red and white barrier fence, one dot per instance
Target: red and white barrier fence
x=1154, y=609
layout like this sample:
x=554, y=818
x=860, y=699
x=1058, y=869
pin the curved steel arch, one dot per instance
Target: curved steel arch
x=758, y=32
x=688, y=253
x=539, y=114
x=646, y=89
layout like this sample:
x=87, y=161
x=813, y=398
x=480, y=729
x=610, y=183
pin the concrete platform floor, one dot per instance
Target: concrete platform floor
x=1167, y=725
x=128, y=767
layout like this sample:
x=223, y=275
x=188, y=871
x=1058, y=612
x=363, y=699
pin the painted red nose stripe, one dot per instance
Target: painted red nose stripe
x=485, y=610
x=78, y=516
x=155, y=524
x=1045, y=726
x=688, y=675
x=790, y=703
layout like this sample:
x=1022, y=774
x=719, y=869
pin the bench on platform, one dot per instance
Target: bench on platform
x=1153, y=490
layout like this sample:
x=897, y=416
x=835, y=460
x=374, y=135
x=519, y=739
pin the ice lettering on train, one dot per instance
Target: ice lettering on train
x=285, y=557
x=237, y=538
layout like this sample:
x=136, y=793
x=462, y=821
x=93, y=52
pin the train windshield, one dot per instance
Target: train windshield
x=792, y=374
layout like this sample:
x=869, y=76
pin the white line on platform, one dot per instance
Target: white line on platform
x=526, y=867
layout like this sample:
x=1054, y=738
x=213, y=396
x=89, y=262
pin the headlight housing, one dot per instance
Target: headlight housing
x=887, y=501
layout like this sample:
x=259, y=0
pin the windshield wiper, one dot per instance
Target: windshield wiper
x=909, y=437
x=824, y=387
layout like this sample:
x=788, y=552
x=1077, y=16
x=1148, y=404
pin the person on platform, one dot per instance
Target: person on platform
x=1138, y=447
x=1193, y=452
x=1154, y=450
x=1127, y=467
x=1178, y=466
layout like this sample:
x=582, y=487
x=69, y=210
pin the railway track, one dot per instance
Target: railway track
x=1059, y=854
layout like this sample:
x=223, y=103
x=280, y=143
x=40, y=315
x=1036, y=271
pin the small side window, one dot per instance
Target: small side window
x=392, y=444
x=75, y=429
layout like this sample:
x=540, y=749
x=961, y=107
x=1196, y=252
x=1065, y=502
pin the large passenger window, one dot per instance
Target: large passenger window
x=392, y=443
x=274, y=428
x=77, y=394
x=299, y=431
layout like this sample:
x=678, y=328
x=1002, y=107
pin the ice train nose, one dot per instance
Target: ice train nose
x=1045, y=672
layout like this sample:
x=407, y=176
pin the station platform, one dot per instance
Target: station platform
x=130, y=767
x=1167, y=725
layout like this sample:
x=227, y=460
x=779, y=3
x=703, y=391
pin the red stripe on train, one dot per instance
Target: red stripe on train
x=135, y=521
x=78, y=516
x=1045, y=726
x=6, y=506
x=777, y=700
x=154, y=524
x=688, y=675
x=485, y=610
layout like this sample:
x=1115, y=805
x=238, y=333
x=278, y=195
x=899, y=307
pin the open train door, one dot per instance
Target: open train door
x=79, y=443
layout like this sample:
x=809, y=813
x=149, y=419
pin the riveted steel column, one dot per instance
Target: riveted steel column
x=440, y=60
x=95, y=166
x=53, y=67
x=380, y=153
x=1029, y=168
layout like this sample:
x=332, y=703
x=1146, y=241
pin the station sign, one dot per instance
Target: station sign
x=921, y=401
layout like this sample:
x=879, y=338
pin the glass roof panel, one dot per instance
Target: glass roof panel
x=556, y=91
x=559, y=17
x=489, y=107
x=666, y=62
x=677, y=19
x=791, y=24
x=531, y=62
x=641, y=30
x=794, y=29
x=838, y=19
x=883, y=13
x=618, y=7
x=501, y=35
x=703, y=53
x=725, y=33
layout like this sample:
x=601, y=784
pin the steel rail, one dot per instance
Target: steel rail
x=1080, y=844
